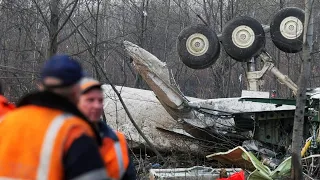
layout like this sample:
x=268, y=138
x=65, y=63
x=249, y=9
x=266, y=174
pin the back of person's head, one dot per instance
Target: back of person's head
x=61, y=74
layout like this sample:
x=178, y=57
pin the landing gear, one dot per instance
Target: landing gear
x=198, y=46
x=286, y=30
x=243, y=38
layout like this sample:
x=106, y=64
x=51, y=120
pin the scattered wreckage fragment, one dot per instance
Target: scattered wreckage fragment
x=170, y=120
x=173, y=121
x=243, y=39
x=265, y=164
x=227, y=117
x=166, y=115
x=240, y=157
x=196, y=172
x=159, y=127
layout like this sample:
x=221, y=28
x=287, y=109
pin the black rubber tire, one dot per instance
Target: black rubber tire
x=243, y=54
x=281, y=42
x=210, y=55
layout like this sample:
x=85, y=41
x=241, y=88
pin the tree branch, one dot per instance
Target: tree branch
x=73, y=31
x=66, y=20
x=46, y=23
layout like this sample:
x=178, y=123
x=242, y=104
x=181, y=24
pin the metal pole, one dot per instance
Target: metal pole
x=253, y=84
x=251, y=64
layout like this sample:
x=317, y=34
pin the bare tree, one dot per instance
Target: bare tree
x=297, y=136
x=52, y=25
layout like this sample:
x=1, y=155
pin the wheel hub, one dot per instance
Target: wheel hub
x=197, y=44
x=243, y=36
x=291, y=27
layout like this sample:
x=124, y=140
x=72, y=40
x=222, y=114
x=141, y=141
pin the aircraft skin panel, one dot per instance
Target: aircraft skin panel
x=156, y=74
x=163, y=113
x=150, y=116
x=233, y=105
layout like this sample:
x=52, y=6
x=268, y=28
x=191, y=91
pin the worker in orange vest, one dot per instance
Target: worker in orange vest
x=114, y=146
x=47, y=137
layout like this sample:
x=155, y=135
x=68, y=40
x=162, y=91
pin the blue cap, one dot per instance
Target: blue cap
x=63, y=68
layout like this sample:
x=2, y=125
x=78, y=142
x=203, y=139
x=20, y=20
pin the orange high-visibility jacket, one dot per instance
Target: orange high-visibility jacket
x=33, y=140
x=115, y=153
x=5, y=106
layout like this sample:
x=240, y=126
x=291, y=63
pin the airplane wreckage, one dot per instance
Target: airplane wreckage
x=262, y=125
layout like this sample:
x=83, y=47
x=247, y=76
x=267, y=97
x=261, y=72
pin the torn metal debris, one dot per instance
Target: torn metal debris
x=196, y=173
x=247, y=160
x=175, y=122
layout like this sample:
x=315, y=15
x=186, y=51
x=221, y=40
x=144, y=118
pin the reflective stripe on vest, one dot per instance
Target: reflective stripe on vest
x=47, y=146
x=117, y=147
x=115, y=153
x=95, y=174
x=108, y=177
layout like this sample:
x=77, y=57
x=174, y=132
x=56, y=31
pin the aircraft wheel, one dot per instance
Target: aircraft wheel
x=198, y=46
x=243, y=38
x=286, y=29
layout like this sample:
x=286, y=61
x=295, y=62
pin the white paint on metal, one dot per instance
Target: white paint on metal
x=165, y=92
x=233, y=105
x=143, y=58
x=156, y=75
x=255, y=94
x=165, y=107
x=243, y=36
x=197, y=44
x=150, y=116
x=196, y=172
x=291, y=27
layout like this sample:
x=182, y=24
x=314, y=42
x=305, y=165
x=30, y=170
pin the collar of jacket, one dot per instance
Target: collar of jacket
x=55, y=101
x=107, y=132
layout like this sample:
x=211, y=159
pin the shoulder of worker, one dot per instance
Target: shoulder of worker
x=46, y=99
x=106, y=131
x=50, y=100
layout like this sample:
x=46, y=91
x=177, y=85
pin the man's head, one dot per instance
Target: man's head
x=91, y=99
x=61, y=74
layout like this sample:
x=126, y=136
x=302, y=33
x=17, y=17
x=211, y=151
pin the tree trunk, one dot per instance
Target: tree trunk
x=139, y=82
x=221, y=15
x=54, y=25
x=168, y=5
x=278, y=59
x=297, y=136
